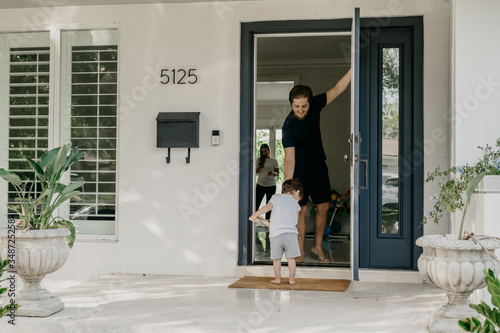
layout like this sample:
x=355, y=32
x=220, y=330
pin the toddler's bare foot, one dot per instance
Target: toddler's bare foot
x=277, y=281
x=292, y=281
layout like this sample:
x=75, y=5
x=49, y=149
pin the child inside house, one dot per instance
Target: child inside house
x=283, y=227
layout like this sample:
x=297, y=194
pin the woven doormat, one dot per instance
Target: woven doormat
x=260, y=282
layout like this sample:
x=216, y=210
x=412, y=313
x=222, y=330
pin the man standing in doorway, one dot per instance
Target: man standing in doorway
x=305, y=157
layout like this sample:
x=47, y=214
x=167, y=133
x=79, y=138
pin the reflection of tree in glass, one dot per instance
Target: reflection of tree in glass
x=390, y=218
x=280, y=156
x=262, y=136
x=390, y=93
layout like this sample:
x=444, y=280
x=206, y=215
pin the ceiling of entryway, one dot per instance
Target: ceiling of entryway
x=333, y=50
x=6, y=4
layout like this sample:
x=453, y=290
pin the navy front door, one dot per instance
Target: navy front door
x=391, y=126
x=387, y=155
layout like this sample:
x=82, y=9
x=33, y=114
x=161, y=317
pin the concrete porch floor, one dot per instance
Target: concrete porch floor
x=163, y=303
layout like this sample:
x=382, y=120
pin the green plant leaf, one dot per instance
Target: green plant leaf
x=59, y=188
x=38, y=201
x=65, y=196
x=58, y=163
x=489, y=327
x=73, y=157
x=3, y=311
x=471, y=187
x=46, y=158
x=6, y=309
x=495, y=300
x=16, y=208
x=11, y=177
x=464, y=324
x=476, y=322
x=67, y=224
x=493, y=289
x=38, y=170
x=73, y=186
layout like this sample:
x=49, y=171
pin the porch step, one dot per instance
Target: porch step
x=365, y=275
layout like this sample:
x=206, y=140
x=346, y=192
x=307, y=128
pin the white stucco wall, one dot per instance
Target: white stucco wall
x=154, y=236
x=476, y=80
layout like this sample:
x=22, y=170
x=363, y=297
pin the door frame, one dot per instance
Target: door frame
x=247, y=54
x=248, y=31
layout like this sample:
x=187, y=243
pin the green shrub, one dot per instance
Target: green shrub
x=5, y=309
x=491, y=322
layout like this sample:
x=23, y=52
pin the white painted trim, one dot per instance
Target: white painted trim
x=451, y=125
x=279, y=78
x=254, y=158
x=4, y=128
x=305, y=34
x=311, y=63
x=54, y=88
x=97, y=238
x=88, y=26
x=118, y=131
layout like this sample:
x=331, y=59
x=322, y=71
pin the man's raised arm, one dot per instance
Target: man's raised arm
x=339, y=88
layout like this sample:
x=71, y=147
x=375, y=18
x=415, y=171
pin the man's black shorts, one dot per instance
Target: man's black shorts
x=316, y=184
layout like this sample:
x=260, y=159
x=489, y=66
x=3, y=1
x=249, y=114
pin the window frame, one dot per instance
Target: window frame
x=56, y=44
x=55, y=111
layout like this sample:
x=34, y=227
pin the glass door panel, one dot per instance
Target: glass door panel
x=390, y=140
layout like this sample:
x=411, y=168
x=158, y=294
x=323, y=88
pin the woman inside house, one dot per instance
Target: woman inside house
x=267, y=170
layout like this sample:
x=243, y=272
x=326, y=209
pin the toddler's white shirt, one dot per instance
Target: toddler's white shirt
x=283, y=215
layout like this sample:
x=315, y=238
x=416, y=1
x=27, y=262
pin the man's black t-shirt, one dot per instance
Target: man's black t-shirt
x=305, y=136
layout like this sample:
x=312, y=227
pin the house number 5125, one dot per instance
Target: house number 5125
x=178, y=76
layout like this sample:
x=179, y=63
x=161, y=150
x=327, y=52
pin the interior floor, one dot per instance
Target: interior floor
x=336, y=245
x=337, y=249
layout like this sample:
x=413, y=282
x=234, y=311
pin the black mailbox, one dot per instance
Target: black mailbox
x=178, y=130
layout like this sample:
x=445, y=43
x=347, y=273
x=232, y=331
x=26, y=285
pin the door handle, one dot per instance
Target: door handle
x=347, y=158
x=365, y=162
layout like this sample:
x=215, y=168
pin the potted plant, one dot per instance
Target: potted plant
x=42, y=240
x=455, y=263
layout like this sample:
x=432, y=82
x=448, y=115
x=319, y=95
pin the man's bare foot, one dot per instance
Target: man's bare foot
x=320, y=254
x=291, y=281
x=277, y=281
x=300, y=259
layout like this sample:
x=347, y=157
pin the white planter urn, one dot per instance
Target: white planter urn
x=457, y=267
x=37, y=253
